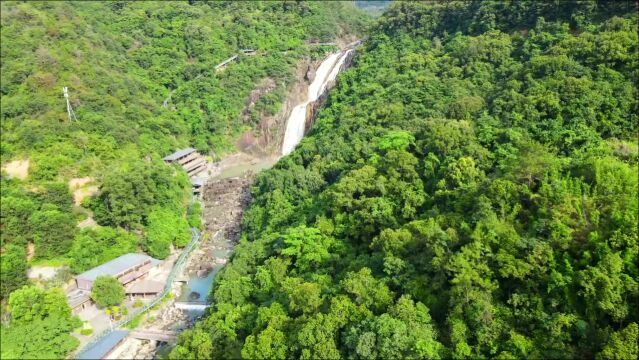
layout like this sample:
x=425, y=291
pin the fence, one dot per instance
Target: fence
x=177, y=268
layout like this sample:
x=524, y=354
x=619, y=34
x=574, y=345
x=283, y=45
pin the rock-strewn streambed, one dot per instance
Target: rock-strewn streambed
x=224, y=202
x=225, y=196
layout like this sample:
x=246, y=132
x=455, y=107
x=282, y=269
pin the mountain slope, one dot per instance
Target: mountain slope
x=469, y=191
x=121, y=61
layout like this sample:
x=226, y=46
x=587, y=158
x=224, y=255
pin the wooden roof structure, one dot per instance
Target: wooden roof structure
x=179, y=154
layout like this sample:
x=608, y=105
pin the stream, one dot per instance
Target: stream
x=198, y=287
x=325, y=76
x=225, y=195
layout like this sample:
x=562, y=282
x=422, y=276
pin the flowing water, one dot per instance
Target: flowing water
x=296, y=124
x=325, y=74
x=295, y=129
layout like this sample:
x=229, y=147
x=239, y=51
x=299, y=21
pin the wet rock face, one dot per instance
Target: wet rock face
x=194, y=296
x=309, y=75
x=204, y=271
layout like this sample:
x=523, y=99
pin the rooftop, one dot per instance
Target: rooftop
x=77, y=297
x=117, y=266
x=145, y=287
x=178, y=154
x=104, y=346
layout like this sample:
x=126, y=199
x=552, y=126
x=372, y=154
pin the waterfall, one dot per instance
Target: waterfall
x=325, y=74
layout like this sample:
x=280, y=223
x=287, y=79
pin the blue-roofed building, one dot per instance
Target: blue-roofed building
x=125, y=268
x=105, y=346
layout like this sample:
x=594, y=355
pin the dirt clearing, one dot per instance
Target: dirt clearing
x=81, y=190
x=17, y=169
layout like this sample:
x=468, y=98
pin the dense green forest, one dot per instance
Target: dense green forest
x=469, y=191
x=121, y=61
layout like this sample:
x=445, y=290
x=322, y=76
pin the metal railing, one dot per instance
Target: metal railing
x=177, y=268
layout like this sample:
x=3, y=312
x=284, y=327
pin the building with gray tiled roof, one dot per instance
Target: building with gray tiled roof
x=125, y=268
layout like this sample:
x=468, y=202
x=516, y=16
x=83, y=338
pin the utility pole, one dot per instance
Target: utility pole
x=70, y=111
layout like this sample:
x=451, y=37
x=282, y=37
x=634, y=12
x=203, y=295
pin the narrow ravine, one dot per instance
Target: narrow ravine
x=225, y=196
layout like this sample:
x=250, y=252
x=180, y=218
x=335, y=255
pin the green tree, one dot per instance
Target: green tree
x=165, y=228
x=404, y=332
x=14, y=218
x=30, y=303
x=107, y=291
x=367, y=290
x=268, y=344
x=40, y=325
x=41, y=339
x=53, y=232
x=92, y=247
x=13, y=262
x=622, y=344
x=196, y=344
x=308, y=247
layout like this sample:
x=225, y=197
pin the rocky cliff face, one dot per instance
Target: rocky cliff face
x=313, y=108
x=268, y=140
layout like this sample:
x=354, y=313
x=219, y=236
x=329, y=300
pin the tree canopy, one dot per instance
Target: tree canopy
x=107, y=291
x=469, y=191
x=39, y=326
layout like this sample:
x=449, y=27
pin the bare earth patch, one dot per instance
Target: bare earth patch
x=43, y=272
x=76, y=183
x=82, y=193
x=80, y=190
x=17, y=169
x=30, y=250
x=88, y=222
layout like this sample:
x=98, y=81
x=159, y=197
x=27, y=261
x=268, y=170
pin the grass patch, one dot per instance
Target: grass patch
x=57, y=261
x=135, y=322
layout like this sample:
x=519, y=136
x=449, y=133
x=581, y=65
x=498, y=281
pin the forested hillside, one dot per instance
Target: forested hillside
x=121, y=61
x=469, y=191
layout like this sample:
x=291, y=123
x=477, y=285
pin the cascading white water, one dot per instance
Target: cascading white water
x=295, y=126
